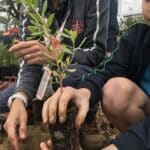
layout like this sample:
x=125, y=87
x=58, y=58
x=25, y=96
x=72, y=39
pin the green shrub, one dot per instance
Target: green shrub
x=126, y=22
x=6, y=58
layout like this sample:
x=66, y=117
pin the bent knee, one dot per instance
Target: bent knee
x=118, y=86
x=116, y=93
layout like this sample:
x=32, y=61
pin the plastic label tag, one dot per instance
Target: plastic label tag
x=44, y=83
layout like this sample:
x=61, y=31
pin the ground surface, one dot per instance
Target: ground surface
x=104, y=131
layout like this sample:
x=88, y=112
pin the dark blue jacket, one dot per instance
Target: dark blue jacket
x=129, y=60
x=113, y=28
x=136, y=137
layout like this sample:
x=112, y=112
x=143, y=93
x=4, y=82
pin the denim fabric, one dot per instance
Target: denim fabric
x=4, y=95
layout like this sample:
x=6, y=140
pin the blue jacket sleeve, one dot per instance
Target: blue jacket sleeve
x=29, y=77
x=136, y=137
x=115, y=66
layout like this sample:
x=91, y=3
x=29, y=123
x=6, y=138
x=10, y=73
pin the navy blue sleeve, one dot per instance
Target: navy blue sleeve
x=115, y=66
x=137, y=137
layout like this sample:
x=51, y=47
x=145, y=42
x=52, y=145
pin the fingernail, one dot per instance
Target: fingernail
x=78, y=125
x=22, y=136
x=44, y=122
x=61, y=119
x=51, y=120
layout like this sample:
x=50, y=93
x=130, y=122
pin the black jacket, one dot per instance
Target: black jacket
x=129, y=60
x=136, y=137
x=90, y=18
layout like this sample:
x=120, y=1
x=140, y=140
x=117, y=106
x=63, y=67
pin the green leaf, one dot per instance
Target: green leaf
x=50, y=20
x=82, y=42
x=73, y=35
x=29, y=3
x=34, y=23
x=65, y=49
x=17, y=1
x=60, y=56
x=33, y=29
x=55, y=73
x=35, y=17
x=67, y=31
x=68, y=60
x=63, y=75
x=36, y=33
x=71, y=70
x=35, y=3
x=44, y=7
x=64, y=35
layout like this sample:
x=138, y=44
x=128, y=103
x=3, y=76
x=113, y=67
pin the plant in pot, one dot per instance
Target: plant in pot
x=64, y=136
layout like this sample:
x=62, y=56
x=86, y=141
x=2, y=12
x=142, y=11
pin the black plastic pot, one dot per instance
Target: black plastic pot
x=14, y=70
x=6, y=71
x=65, y=136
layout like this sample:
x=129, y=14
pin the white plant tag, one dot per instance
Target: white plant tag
x=44, y=83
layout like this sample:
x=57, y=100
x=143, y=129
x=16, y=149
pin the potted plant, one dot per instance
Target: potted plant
x=64, y=136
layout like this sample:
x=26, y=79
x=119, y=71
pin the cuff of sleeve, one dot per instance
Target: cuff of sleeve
x=128, y=140
x=95, y=93
x=20, y=96
x=26, y=92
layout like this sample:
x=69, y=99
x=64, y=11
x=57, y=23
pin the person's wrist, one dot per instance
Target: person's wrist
x=19, y=97
x=17, y=102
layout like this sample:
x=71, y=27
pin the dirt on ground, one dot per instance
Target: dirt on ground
x=102, y=131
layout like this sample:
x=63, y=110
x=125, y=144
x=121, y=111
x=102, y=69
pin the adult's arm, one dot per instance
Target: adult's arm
x=29, y=75
x=28, y=79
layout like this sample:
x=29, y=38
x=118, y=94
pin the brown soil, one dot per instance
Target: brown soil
x=103, y=129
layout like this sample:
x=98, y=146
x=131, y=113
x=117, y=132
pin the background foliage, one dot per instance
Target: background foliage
x=127, y=22
x=6, y=58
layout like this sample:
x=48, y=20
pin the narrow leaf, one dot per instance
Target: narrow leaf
x=50, y=20
x=44, y=7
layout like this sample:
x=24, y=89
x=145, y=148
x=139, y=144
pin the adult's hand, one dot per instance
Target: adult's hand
x=32, y=52
x=16, y=123
x=59, y=101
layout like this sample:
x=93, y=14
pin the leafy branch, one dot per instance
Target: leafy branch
x=40, y=28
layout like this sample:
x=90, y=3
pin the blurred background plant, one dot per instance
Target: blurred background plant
x=6, y=58
x=8, y=63
x=126, y=22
